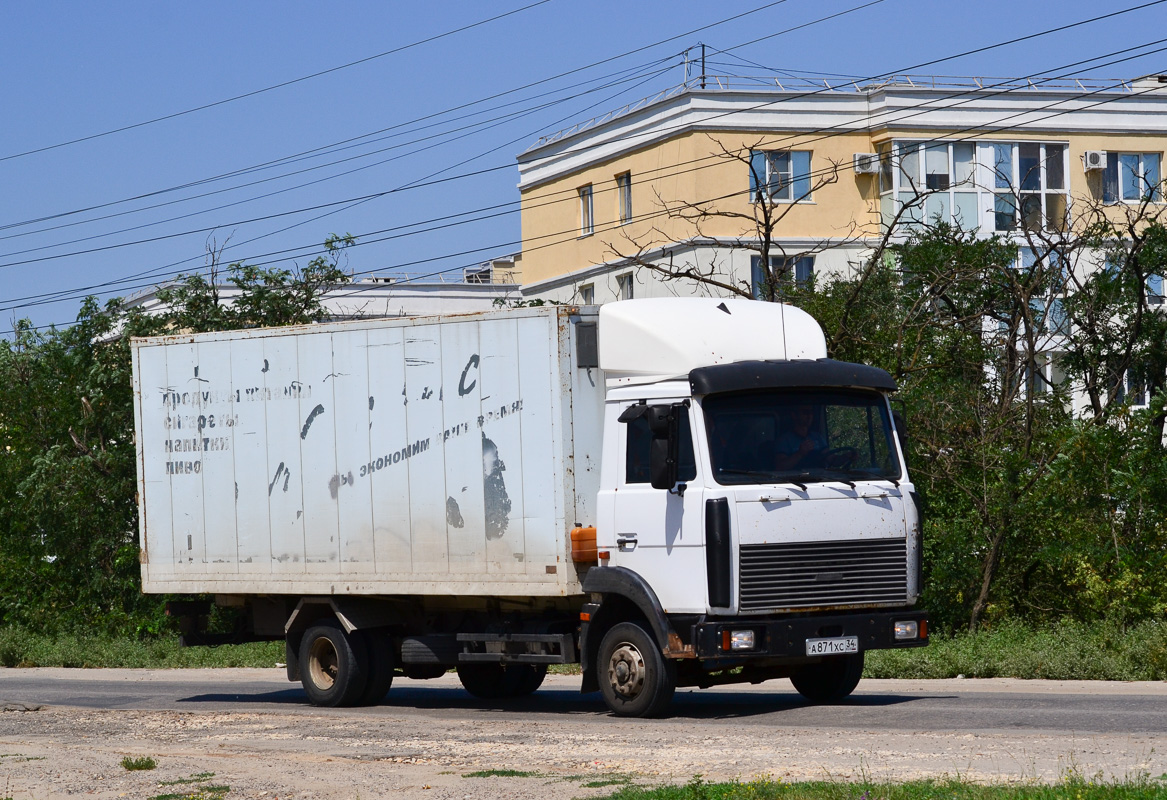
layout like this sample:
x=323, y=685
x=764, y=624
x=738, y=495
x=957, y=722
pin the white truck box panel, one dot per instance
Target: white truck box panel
x=426, y=456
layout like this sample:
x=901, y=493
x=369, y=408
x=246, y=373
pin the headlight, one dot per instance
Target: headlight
x=741, y=640
x=908, y=629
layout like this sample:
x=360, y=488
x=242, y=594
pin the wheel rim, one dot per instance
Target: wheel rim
x=323, y=663
x=626, y=670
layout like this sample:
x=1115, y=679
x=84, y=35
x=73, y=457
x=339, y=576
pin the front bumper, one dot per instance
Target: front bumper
x=786, y=637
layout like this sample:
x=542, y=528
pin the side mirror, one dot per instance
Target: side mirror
x=663, y=450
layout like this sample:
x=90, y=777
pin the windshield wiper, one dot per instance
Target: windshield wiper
x=766, y=474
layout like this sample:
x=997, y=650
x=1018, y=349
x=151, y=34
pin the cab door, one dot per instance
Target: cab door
x=659, y=533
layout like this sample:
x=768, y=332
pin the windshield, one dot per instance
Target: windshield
x=800, y=436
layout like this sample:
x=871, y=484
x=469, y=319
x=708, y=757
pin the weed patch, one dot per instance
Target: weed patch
x=764, y=789
x=142, y=763
x=1066, y=650
x=196, y=778
x=199, y=793
x=502, y=773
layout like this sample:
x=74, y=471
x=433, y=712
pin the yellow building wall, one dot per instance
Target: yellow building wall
x=694, y=167
x=676, y=173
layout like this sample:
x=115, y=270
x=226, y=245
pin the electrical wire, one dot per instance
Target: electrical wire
x=281, y=85
x=843, y=128
x=433, y=115
x=573, y=232
x=1060, y=28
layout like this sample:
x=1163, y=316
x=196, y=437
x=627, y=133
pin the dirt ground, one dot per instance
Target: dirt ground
x=57, y=751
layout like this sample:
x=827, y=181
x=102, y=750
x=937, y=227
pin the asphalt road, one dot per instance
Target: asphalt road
x=65, y=732
x=1000, y=705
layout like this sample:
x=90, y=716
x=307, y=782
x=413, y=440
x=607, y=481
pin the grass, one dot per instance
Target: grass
x=1067, y=650
x=142, y=763
x=502, y=773
x=202, y=792
x=1074, y=789
x=200, y=777
x=23, y=648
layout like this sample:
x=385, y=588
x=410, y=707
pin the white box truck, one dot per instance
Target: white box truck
x=670, y=492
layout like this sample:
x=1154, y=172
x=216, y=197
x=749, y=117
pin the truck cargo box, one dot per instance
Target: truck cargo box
x=428, y=456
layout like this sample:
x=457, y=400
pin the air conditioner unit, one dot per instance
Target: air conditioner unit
x=1094, y=159
x=866, y=163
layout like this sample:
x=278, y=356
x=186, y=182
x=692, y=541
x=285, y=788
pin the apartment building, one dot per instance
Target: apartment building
x=677, y=183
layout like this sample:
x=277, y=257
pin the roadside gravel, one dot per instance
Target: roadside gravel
x=59, y=751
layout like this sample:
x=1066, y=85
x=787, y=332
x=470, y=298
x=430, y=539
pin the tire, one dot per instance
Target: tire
x=380, y=670
x=831, y=680
x=501, y=681
x=635, y=678
x=534, y=675
x=333, y=666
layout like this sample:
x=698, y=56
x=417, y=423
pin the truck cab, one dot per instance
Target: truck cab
x=755, y=501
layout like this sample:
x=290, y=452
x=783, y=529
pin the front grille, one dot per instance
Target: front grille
x=823, y=574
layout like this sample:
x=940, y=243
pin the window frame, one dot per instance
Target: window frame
x=625, y=290
x=1114, y=187
x=587, y=218
x=624, y=197
x=799, y=262
x=772, y=182
x=997, y=194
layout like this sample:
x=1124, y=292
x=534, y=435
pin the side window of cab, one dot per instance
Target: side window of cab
x=636, y=453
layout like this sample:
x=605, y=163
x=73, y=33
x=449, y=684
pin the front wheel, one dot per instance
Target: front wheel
x=635, y=678
x=831, y=680
x=333, y=666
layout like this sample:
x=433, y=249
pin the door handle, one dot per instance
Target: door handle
x=626, y=541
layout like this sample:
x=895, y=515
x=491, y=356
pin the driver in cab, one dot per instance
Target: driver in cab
x=799, y=445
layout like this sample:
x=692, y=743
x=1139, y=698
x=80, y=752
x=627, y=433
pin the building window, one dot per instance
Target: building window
x=800, y=269
x=1048, y=309
x=587, y=224
x=780, y=176
x=1029, y=186
x=624, y=197
x=587, y=294
x=624, y=286
x=976, y=185
x=1132, y=178
x=1155, y=290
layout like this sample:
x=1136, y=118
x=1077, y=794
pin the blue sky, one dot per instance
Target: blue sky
x=72, y=70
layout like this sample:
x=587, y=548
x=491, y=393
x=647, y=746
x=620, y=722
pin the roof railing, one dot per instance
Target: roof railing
x=729, y=83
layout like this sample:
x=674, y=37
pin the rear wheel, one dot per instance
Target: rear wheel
x=831, y=680
x=635, y=678
x=380, y=668
x=333, y=666
x=499, y=681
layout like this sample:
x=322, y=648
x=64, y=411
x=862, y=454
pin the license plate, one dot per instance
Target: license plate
x=832, y=647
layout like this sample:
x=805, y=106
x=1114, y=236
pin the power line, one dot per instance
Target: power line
x=916, y=112
x=281, y=85
x=636, y=73
x=474, y=129
x=573, y=232
x=470, y=104
x=1023, y=38
x=59, y=296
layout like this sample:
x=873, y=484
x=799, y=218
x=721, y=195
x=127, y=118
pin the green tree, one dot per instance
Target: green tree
x=69, y=521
